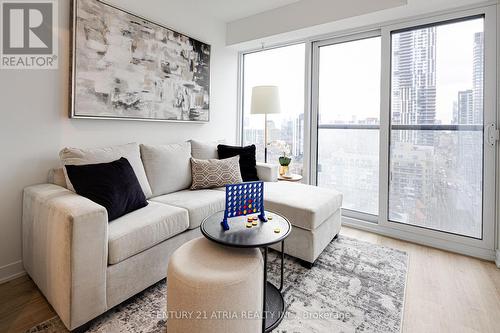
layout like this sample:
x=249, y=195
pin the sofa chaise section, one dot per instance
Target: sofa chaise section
x=314, y=213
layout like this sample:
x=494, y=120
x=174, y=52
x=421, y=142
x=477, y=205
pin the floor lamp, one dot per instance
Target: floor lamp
x=265, y=100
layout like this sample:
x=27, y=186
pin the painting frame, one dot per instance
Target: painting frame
x=73, y=112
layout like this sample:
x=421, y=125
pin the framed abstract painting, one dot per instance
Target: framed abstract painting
x=127, y=67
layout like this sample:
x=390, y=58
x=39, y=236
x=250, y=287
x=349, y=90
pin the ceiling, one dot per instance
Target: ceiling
x=230, y=10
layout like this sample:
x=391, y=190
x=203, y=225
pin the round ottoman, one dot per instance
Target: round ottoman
x=213, y=288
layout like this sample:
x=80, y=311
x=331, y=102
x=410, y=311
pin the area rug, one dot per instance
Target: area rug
x=354, y=286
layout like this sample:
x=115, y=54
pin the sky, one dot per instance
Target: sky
x=349, y=77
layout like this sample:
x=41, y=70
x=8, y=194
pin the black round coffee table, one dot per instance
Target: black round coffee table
x=262, y=235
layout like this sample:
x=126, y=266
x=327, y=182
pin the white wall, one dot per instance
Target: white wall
x=301, y=14
x=34, y=124
x=239, y=31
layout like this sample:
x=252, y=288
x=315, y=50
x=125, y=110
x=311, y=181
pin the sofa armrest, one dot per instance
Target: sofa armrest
x=65, y=251
x=267, y=172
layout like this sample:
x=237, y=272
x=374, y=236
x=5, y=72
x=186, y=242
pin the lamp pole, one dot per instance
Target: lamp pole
x=265, y=138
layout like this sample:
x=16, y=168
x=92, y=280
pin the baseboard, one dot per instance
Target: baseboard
x=497, y=260
x=467, y=250
x=11, y=271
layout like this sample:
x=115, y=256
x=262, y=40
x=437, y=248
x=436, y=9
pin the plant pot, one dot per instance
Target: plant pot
x=283, y=170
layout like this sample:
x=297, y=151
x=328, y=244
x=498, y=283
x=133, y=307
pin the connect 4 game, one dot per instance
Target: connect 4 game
x=244, y=199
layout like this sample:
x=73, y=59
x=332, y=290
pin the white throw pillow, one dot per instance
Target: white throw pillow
x=168, y=167
x=205, y=150
x=76, y=156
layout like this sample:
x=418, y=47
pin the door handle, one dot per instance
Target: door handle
x=493, y=134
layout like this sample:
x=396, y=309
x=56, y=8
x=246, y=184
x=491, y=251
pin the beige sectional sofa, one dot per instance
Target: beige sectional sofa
x=84, y=265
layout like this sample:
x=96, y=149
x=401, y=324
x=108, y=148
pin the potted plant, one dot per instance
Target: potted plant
x=284, y=159
x=284, y=163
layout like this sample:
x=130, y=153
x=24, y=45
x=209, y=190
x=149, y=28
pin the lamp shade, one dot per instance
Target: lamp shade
x=265, y=100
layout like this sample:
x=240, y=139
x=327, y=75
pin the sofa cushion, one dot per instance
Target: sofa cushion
x=143, y=229
x=305, y=206
x=56, y=177
x=75, y=156
x=204, y=150
x=168, y=167
x=199, y=203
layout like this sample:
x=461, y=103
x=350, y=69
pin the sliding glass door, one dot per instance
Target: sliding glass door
x=404, y=125
x=437, y=121
x=439, y=136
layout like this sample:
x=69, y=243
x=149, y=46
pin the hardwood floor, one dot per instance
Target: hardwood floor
x=22, y=306
x=445, y=292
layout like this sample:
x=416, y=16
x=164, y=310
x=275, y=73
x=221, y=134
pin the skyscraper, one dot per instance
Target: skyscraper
x=465, y=108
x=413, y=103
x=414, y=78
x=478, y=77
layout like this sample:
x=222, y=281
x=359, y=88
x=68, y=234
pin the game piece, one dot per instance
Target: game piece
x=277, y=230
x=244, y=199
x=270, y=218
x=254, y=223
x=249, y=225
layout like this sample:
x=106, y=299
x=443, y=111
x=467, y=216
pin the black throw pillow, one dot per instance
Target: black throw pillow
x=113, y=185
x=248, y=163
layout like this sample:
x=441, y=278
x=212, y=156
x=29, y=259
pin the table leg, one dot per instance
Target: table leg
x=264, y=294
x=282, y=263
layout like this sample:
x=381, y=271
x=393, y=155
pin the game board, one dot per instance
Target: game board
x=244, y=199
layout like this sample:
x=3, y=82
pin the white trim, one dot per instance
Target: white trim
x=307, y=114
x=497, y=260
x=412, y=237
x=11, y=271
x=239, y=100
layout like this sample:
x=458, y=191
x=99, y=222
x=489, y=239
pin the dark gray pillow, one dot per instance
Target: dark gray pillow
x=248, y=162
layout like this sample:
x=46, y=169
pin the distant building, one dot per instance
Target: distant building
x=465, y=107
x=414, y=78
x=478, y=77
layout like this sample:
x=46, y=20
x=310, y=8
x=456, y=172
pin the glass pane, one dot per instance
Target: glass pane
x=349, y=95
x=439, y=186
x=349, y=162
x=349, y=82
x=437, y=74
x=283, y=67
x=436, y=170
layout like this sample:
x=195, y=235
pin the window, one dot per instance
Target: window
x=436, y=151
x=285, y=68
x=402, y=123
x=348, y=121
